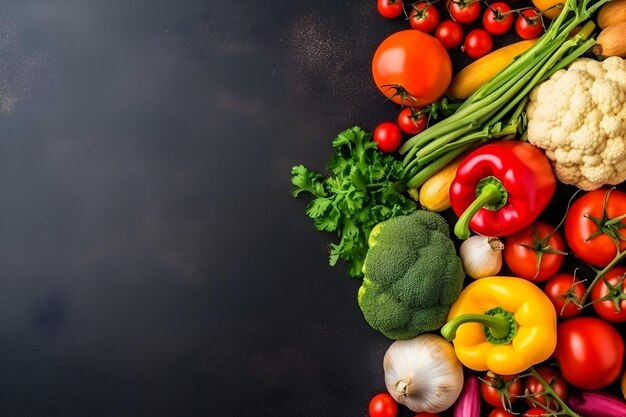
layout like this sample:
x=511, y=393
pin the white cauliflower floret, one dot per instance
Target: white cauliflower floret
x=578, y=116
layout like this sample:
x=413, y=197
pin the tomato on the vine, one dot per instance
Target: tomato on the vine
x=528, y=24
x=590, y=352
x=592, y=229
x=390, y=9
x=387, y=136
x=449, y=33
x=500, y=412
x=535, y=253
x=500, y=390
x=498, y=18
x=566, y=294
x=383, y=405
x=477, y=43
x=424, y=16
x=609, y=301
x=536, y=391
x=411, y=121
x=464, y=11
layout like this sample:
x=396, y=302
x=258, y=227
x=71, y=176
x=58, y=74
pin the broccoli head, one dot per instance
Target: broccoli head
x=412, y=275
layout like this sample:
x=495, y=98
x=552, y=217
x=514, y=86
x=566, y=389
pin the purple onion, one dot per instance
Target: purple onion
x=468, y=403
x=596, y=404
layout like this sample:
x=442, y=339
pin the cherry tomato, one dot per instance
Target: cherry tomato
x=500, y=390
x=477, y=43
x=565, y=293
x=500, y=412
x=383, y=405
x=388, y=137
x=536, y=412
x=424, y=16
x=464, y=11
x=528, y=24
x=585, y=230
x=590, y=352
x=411, y=121
x=412, y=68
x=449, y=33
x=496, y=20
x=535, y=389
x=606, y=308
x=390, y=9
x=533, y=253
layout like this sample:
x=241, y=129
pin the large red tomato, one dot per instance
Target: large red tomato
x=590, y=352
x=588, y=226
x=614, y=292
x=535, y=253
x=412, y=68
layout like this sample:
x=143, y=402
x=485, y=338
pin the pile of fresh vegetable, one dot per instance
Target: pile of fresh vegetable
x=488, y=223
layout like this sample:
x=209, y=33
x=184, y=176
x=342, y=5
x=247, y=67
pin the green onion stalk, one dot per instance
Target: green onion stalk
x=496, y=110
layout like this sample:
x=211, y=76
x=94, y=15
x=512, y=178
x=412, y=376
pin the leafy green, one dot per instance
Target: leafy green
x=362, y=188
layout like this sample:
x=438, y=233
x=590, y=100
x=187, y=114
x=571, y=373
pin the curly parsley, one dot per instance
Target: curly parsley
x=363, y=187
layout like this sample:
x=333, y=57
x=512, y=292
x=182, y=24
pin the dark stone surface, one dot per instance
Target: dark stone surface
x=153, y=262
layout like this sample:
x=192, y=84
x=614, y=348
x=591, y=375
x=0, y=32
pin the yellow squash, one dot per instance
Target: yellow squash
x=479, y=72
x=434, y=194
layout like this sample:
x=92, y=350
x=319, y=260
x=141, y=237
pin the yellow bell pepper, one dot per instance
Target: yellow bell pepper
x=502, y=324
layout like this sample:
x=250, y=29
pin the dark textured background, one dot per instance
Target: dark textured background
x=152, y=260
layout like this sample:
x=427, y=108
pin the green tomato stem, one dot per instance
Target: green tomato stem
x=599, y=274
x=565, y=410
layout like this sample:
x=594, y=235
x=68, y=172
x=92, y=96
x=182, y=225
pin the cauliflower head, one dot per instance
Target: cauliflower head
x=578, y=116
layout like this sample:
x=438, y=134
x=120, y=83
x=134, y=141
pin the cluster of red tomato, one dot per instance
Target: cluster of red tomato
x=590, y=351
x=497, y=19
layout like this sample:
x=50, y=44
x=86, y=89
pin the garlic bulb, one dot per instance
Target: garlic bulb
x=423, y=373
x=481, y=256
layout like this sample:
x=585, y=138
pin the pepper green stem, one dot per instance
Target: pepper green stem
x=490, y=194
x=500, y=325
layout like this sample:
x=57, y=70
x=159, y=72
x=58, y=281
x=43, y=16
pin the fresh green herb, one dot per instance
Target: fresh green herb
x=363, y=188
x=483, y=116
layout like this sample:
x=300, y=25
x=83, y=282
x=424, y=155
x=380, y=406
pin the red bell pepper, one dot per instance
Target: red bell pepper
x=501, y=188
